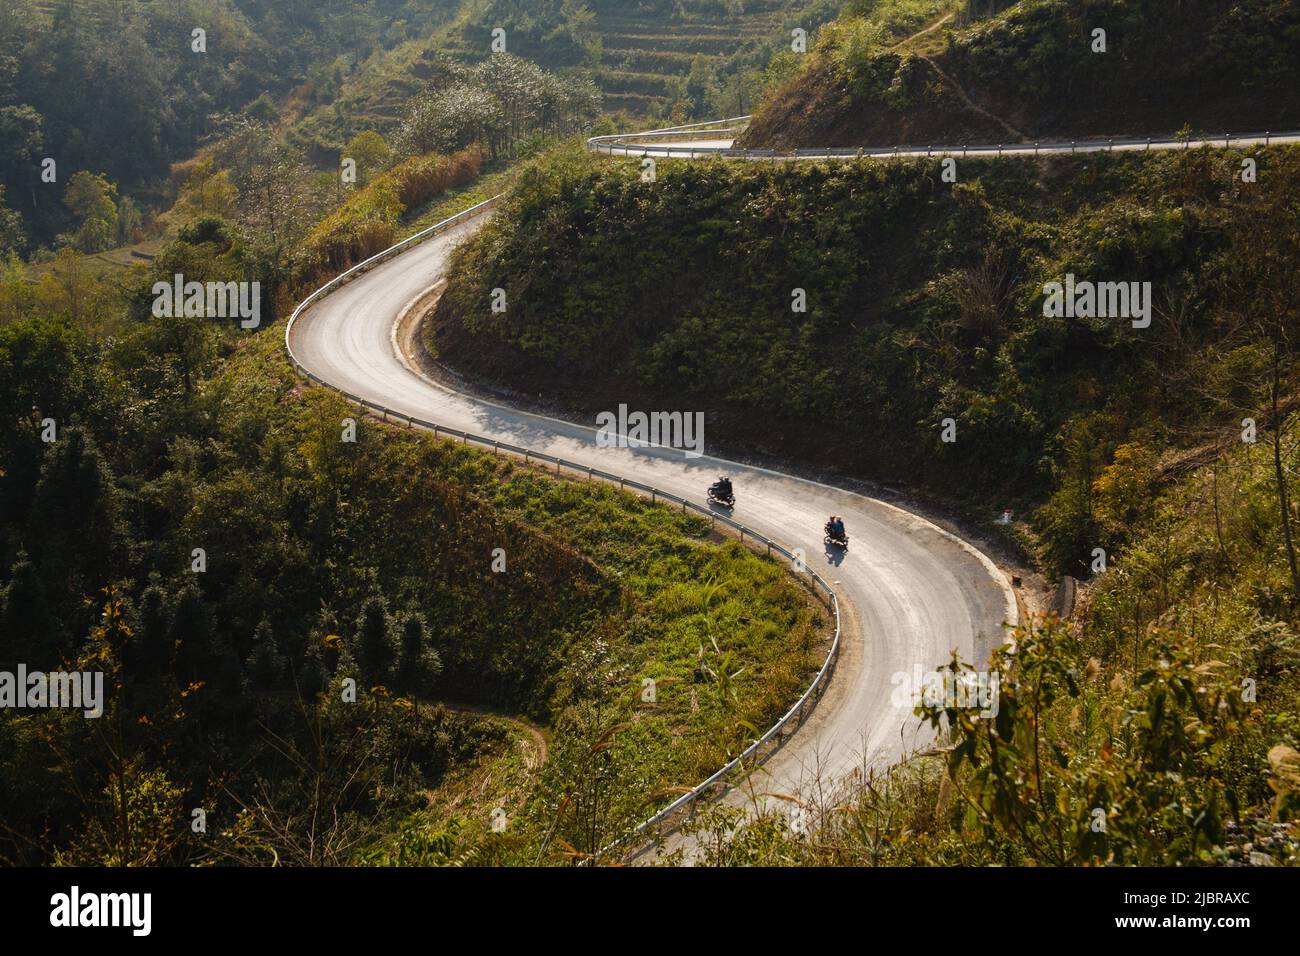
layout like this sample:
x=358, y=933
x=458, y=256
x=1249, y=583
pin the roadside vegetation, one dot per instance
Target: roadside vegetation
x=1161, y=727
x=924, y=301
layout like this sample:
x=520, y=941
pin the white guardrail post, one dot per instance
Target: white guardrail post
x=823, y=674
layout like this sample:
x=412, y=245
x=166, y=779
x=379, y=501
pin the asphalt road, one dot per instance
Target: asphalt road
x=911, y=592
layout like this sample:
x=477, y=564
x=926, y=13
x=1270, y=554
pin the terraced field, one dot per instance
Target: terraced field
x=648, y=53
x=647, y=57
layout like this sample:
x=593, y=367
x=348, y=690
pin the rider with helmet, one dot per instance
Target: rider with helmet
x=721, y=491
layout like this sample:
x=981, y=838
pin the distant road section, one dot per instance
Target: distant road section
x=715, y=139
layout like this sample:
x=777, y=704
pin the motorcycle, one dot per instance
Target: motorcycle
x=840, y=540
x=719, y=497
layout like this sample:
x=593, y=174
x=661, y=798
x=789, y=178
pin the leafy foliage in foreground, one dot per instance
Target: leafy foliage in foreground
x=1163, y=728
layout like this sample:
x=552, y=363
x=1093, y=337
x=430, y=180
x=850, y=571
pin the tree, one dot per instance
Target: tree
x=75, y=530
x=419, y=664
x=154, y=651
x=92, y=199
x=1263, y=276
x=278, y=203
x=266, y=667
x=73, y=280
x=374, y=641
x=191, y=634
x=450, y=119
x=371, y=154
x=29, y=633
x=42, y=375
x=12, y=237
x=208, y=191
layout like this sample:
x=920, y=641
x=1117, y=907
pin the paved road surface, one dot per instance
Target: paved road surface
x=912, y=592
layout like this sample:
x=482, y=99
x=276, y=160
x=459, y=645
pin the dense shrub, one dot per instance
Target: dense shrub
x=366, y=223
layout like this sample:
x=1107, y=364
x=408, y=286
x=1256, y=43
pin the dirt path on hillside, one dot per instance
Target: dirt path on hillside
x=957, y=87
x=922, y=32
x=965, y=98
x=540, y=749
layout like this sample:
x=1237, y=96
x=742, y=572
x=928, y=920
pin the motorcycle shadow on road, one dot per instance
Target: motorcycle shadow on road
x=835, y=555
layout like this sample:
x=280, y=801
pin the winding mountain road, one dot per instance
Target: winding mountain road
x=911, y=592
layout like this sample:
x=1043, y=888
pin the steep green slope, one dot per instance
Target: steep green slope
x=328, y=561
x=924, y=301
x=1036, y=70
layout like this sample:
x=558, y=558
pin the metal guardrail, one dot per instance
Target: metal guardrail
x=809, y=697
x=624, y=145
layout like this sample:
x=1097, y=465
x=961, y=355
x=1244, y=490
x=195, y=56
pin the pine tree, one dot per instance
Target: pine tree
x=191, y=634
x=155, y=649
x=419, y=664
x=29, y=632
x=374, y=641
x=266, y=667
x=75, y=531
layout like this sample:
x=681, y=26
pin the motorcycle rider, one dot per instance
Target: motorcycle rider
x=722, y=487
x=835, y=526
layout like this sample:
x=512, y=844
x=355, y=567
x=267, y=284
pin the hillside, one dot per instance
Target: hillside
x=127, y=89
x=1034, y=70
x=280, y=593
x=924, y=302
x=136, y=110
x=926, y=309
x=650, y=51
x=651, y=59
